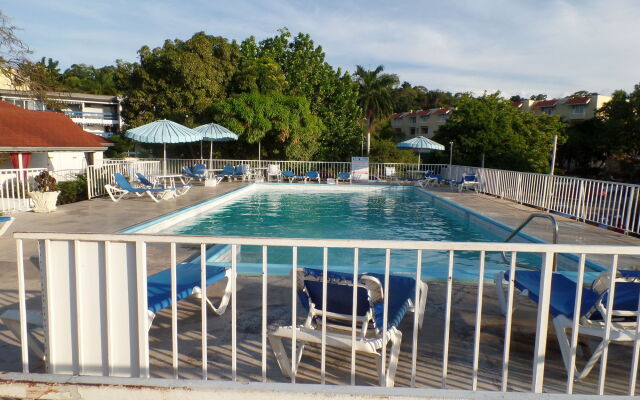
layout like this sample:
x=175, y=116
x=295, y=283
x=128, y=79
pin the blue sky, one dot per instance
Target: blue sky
x=516, y=46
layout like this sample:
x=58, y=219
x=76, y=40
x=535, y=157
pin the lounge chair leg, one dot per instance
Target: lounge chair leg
x=224, y=302
x=281, y=355
x=565, y=349
x=396, y=340
x=502, y=299
x=424, y=288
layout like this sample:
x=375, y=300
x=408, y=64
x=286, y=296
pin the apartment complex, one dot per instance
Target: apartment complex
x=570, y=109
x=97, y=114
x=420, y=123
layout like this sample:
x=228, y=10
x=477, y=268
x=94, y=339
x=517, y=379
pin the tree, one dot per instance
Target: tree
x=538, y=97
x=375, y=96
x=260, y=74
x=620, y=118
x=510, y=138
x=17, y=68
x=331, y=93
x=88, y=79
x=178, y=81
x=283, y=124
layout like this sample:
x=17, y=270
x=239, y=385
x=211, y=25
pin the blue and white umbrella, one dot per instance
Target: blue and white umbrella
x=215, y=133
x=163, y=131
x=420, y=143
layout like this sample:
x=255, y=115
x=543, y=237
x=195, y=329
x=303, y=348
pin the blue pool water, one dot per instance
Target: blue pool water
x=398, y=213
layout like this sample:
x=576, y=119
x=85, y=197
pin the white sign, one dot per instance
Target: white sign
x=360, y=168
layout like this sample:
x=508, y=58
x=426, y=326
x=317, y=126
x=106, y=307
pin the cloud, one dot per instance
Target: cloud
x=548, y=46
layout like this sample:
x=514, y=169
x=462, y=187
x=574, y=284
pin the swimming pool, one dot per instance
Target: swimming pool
x=343, y=212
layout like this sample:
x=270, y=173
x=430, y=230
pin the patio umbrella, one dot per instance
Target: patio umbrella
x=215, y=133
x=420, y=143
x=163, y=131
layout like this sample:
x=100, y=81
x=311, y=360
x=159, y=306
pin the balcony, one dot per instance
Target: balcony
x=96, y=118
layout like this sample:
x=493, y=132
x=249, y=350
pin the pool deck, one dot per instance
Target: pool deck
x=104, y=216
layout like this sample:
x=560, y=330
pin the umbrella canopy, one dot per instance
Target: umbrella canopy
x=420, y=143
x=163, y=131
x=215, y=133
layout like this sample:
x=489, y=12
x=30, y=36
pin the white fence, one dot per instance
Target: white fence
x=609, y=204
x=15, y=185
x=98, y=176
x=96, y=325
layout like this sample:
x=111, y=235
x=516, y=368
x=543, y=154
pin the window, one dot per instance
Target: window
x=413, y=120
x=424, y=118
x=413, y=131
x=442, y=118
x=547, y=110
x=578, y=110
x=424, y=130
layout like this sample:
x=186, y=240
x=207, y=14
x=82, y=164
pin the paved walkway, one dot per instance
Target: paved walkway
x=102, y=215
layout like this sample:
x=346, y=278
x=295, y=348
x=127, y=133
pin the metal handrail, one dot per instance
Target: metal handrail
x=525, y=223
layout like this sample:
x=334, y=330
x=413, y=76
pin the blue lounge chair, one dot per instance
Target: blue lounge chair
x=468, y=181
x=242, y=171
x=344, y=176
x=593, y=308
x=190, y=174
x=227, y=172
x=123, y=188
x=369, y=314
x=5, y=222
x=312, y=176
x=199, y=169
x=291, y=176
x=180, y=188
x=188, y=282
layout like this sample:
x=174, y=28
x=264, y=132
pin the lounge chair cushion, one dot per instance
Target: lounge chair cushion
x=187, y=277
x=339, y=285
x=563, y=292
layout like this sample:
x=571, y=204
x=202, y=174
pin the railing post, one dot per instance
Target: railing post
x=627, y=219
x=88, y=175
x=542, y=323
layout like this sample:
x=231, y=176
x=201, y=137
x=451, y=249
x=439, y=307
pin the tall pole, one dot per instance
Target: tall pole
x=553, y=155
x=450, y=158
x=164, y=158
x=368, y=136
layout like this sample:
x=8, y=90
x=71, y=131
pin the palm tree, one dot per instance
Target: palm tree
x=375, y=96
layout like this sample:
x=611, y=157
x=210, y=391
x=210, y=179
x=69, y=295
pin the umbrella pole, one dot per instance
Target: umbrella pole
x=259, y=143
x=164, y=159
x=201, y=156
x=211, y=154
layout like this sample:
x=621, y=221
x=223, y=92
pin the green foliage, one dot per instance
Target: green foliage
x=122, y=144
x=509, y=138
x=375, y=97
x=73, y=191
x=260, y=74
x=45, y=182
x=332, y=94
x=178, y=81
x=283, y=124
x=89, y=79
x=407, y=97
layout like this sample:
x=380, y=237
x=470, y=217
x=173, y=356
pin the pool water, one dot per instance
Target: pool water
x=382, y=213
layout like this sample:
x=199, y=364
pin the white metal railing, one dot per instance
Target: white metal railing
x=610, y=204
x=97, y=326
x=15, y=185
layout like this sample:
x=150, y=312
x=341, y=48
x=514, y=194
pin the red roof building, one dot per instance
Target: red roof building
x=547, y=103
x=37, y=131
x=576, y=101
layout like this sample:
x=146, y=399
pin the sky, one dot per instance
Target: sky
x=519, y=47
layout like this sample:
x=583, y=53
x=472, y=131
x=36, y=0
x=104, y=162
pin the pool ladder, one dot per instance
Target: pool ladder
x=554, y=225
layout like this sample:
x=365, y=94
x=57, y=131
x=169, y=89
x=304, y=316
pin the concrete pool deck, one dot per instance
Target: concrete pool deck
x=104, y=216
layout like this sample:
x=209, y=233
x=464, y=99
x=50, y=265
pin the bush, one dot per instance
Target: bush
x=73, y=191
